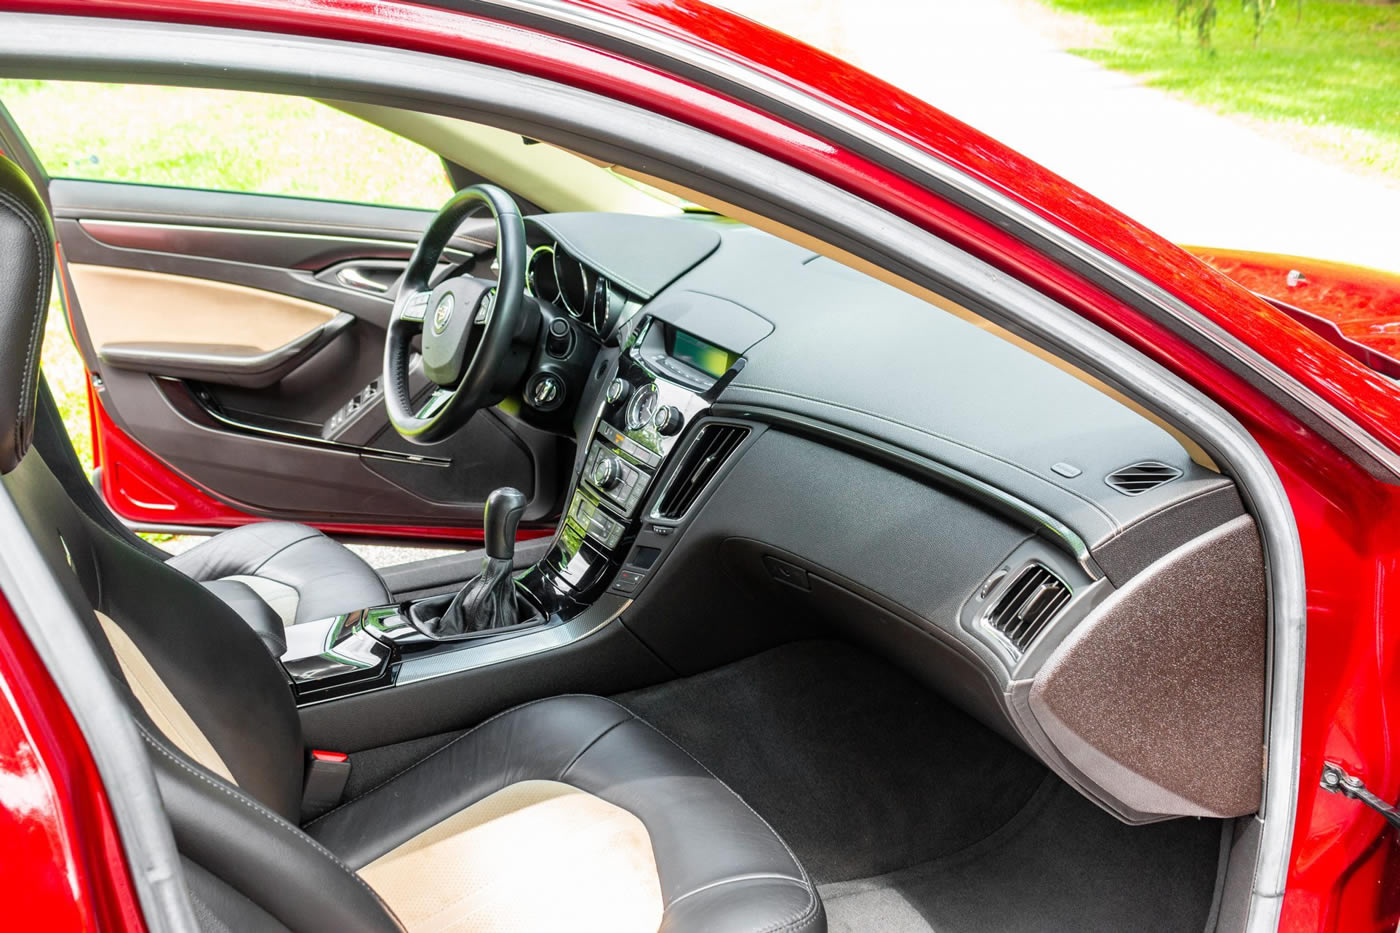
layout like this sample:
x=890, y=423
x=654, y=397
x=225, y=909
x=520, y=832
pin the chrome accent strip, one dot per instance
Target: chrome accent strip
x=471, y=657
x=95, y=217
x=530, y=274
x=583, y=272
x=85, y=221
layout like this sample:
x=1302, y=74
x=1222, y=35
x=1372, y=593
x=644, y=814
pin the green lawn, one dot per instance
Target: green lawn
x=208, y=139
x=1330, y=78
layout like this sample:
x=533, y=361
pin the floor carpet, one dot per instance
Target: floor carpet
x=913, y=817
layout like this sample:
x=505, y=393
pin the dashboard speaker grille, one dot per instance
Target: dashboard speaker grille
x=703, y=459
x=1027, y=606
x=1137, y=478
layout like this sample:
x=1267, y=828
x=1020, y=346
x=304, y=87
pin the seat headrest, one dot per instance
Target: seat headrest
x=26, y=275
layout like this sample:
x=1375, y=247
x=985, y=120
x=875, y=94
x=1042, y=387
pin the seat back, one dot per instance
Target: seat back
x=213, y=706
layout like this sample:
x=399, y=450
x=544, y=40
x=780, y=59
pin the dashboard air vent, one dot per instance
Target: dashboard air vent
x=703, y=459
x=1027, y=605
x=1137, y=478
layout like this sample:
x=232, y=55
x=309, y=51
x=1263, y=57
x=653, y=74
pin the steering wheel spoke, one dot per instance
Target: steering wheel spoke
x=464, y=327
x=434, y=403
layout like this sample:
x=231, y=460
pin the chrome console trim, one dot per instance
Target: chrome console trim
x=498, y=651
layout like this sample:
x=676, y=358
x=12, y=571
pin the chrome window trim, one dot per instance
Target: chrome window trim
x=53, y=45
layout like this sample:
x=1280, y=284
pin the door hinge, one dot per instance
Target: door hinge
x=1336, y=780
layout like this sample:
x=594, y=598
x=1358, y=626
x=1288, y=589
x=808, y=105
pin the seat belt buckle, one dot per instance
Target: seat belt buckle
x=326, y=774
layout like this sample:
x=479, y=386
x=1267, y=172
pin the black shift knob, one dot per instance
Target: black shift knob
x=504, y=507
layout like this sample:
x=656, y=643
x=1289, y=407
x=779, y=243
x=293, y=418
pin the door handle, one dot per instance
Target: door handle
x=356, y=277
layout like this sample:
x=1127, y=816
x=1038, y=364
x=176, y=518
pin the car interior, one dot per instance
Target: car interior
x=807, y=599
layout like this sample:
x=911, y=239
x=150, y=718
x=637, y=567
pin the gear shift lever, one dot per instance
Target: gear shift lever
x=489, y=600
x=504, y=508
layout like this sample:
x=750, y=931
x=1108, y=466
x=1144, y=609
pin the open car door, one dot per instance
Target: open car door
x=233, y=344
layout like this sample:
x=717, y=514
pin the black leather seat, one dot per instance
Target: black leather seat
x=290, y=570
x=566, y=813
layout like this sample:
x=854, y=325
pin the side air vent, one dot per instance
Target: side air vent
x=1137, y=478
x=703, y=459
x=1027, y=606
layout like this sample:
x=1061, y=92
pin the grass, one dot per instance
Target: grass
x=227, y=140
x=1327, y=77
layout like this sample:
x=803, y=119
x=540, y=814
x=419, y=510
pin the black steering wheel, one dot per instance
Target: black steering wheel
x=469, y=326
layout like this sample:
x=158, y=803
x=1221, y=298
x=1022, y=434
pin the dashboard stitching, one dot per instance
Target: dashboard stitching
x=1113, y=522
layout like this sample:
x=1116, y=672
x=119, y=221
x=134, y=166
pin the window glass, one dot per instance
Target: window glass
x=225, y=140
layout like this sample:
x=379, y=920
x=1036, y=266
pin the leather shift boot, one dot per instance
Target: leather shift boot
x=487, y=602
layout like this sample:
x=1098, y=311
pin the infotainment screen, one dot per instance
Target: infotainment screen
x=704, y=356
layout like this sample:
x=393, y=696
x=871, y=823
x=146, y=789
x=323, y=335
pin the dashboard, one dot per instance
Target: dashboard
x=772, y=444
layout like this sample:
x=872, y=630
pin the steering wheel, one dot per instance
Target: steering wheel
x=468, y=325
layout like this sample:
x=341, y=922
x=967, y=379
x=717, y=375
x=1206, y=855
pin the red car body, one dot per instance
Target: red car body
x=1341, y=876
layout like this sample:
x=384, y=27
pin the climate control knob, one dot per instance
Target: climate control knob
x=668, y=420
x=607, y=472
x=617, y=391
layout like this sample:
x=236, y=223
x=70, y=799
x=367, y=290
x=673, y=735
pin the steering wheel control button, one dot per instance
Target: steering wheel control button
x=415, y=308
x=617, y=390
x=483, y=310
x=668, y=420
x=545, y=392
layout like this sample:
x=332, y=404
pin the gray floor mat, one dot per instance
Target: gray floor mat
x=858, y=767
x=1061, y=865
x=914, y=817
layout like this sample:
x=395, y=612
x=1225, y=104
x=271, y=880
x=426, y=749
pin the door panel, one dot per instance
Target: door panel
x=230, y=349
x=125, y=306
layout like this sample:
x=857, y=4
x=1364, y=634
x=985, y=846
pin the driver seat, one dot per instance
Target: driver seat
x=565, y=813
x=273, y=574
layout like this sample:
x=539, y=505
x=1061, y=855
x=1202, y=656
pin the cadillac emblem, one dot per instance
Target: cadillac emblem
x=443, y=312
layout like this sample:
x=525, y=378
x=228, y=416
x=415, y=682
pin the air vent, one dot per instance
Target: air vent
x=1137, y=478
x=703, y=459
x=1027, y=605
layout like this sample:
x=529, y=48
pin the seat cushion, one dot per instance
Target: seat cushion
x=718, y=865
x=296, y=571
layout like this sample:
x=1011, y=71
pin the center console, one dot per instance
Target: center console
x=609, y=540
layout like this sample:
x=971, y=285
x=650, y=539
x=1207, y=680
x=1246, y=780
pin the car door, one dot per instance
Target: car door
x=233, y=340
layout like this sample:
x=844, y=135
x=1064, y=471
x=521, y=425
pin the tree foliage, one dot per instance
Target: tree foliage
x=1202, y=14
